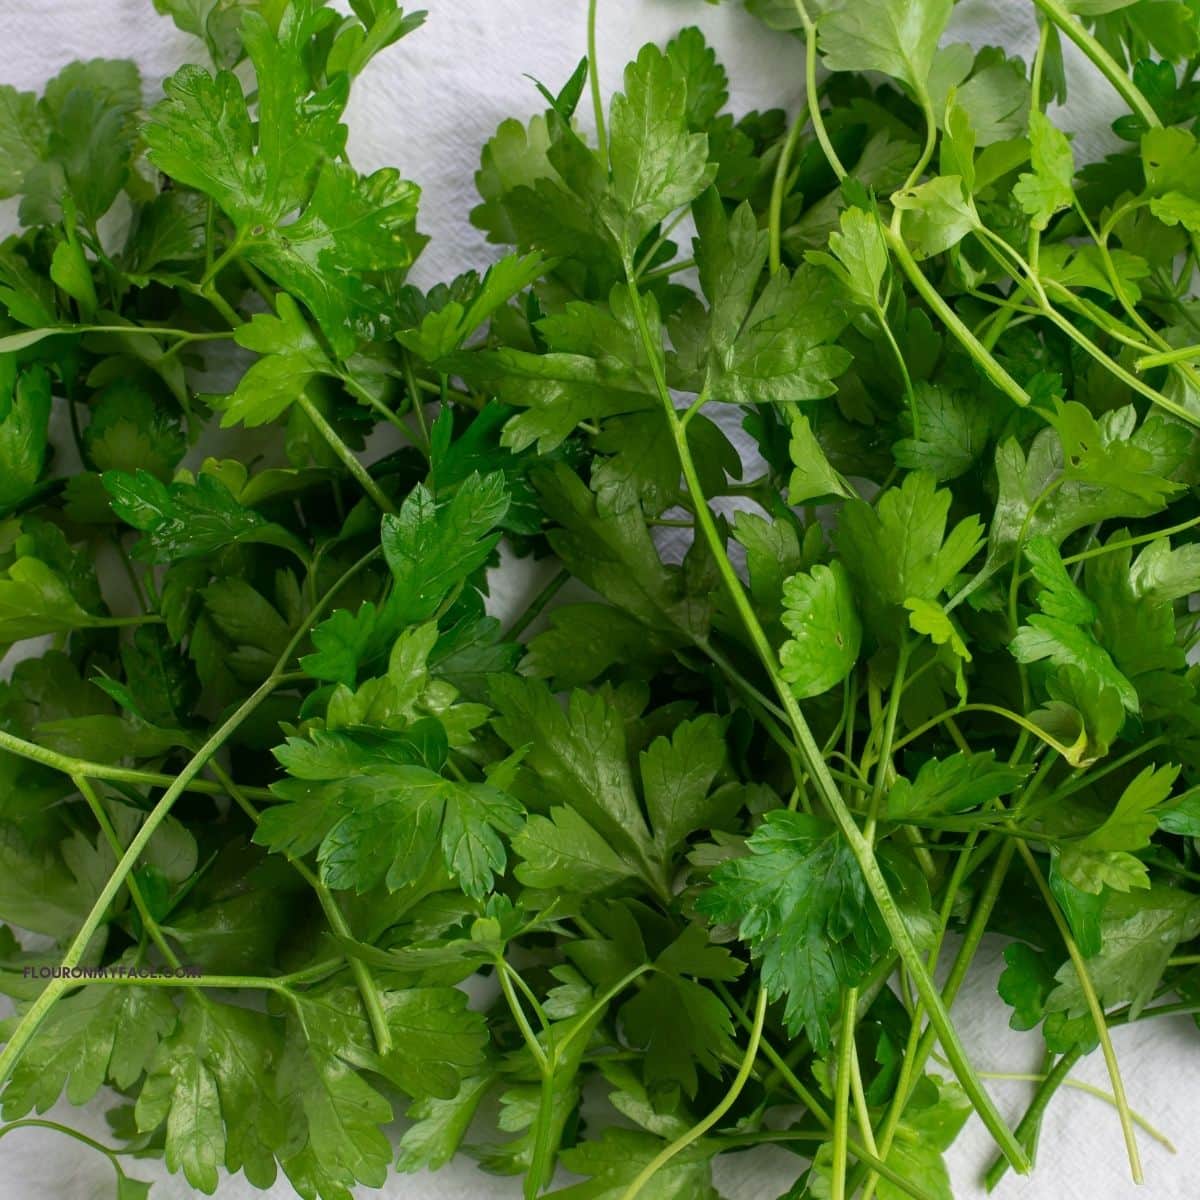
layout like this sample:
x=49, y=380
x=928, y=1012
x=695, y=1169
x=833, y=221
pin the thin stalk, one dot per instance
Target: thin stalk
x=594, y=84
x=818, y=770
x=372, y=1000
x=349, y=460
x=1096, y=1010
x=914, y=1062
x=701, y=1127
x=135, y=892
x=811, y=94
x=92, y=770
x=1089, y=1089
x=1031, y=1121
x=1166, y=357
x=778, y=188
x=841, y=1099
x=536, y=606
x=1058, y=13
x=970, y=343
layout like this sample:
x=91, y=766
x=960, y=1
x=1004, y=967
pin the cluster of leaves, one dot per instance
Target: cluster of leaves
x=875, y=509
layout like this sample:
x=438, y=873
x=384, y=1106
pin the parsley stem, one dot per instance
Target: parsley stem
x=537, y=605
x=811, y=753
x=372, y=1001
x=357, y=470
x=93, y=770
x=812, y=95
x=594, y=84
x=970, y=343
x=1167, y=357
x=1057, y=12
x=1094, y=1007
x=1068, y=752
x=518, y=1013
x=778, y=189
x=135, y=892
x=919, y=1048
x=841, y=1099
x=1089, y=1089
x=702, y=1126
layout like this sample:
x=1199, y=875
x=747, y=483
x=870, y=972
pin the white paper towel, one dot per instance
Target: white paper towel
x=426, y=106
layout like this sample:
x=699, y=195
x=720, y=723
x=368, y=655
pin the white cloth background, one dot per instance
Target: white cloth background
x=426, y=106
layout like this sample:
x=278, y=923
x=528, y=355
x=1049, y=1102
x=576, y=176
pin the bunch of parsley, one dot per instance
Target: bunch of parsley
x=669, y=878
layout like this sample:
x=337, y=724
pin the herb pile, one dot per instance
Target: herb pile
x=918, y=399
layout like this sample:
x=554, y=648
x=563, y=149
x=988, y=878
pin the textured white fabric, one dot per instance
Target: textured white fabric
x=426, y=106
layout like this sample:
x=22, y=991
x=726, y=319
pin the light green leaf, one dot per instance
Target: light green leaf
x=819, y=613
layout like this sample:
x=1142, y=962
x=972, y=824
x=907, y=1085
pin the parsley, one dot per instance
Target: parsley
x=700, y=823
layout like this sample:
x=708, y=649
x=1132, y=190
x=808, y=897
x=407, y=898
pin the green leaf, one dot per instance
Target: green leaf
x=937, y=215
x=812, y=473
x=1060, y=597
x=432, y=548
x=1132, y=822
x=896, y=37
x=129, y=432
x=24, y=430
x=1051, y=186
x=954, y=431
x=579, y=755
x=800, y=902
x=677, y=780
x=183, y=520
x=820, y=614
x=1139, y=932
x=292, y=357
x=657, y=165
x=899, y=550
x=96, y=1035
x=562, y=852
x=35, y=600
x=211, y=1083
x=955, y=784
x=23, y=135
x=1024, y=984
x=443, y=331
x=1065, y=645
x=614, y=1161
x=858, y=257
x=439, y=1126
x=782, y=351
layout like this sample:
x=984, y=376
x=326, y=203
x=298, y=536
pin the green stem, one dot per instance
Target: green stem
x=536, y=606
x=841, y=1099
x=970, y=343
x=372, y=1000
x=347, y=456
x=92, y=770
x=1167, y=357
x=701, y=1127
x=1094, y=1007
x=914, y=1062
x=812, y=95
x=818, y=770
x=778, y=189
x=135, y=892
x=594, y=83
x=1058, y=13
